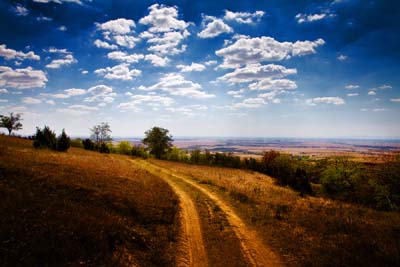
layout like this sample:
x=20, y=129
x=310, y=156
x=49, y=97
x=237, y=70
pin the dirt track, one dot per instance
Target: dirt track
x=193, y=251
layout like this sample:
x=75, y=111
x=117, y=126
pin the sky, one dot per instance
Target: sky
x=203, y=68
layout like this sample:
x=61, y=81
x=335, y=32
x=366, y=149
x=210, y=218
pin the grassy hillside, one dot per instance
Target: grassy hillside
x=306, y=231
x=82, y=208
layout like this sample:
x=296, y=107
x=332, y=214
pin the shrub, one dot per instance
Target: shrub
x=63, y=142
x=88, y=144
x=125, y=148
x=104, y=148
x=76, y=143
x=45, y=138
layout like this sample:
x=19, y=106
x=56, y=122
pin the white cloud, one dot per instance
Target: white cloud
x=192, y=67
x=210, y=62
x=149, y=99
x=50, y=102
x=213, y=27
x=167, y=43
x=175, y=84
x=22, y=78
x=3, y=91
x=371, y=92
x=77, y=110
x=355, y=94
x=248, y=50
x=58, y=1
x=101, y=93
x=236, y=94
x=31, y=100
x=57, y=50
x=273, y=84
x=325, y=100
x=342, y=57
x=20, y=10
x=8, y=54
x=43, y=18
x=75, y=91
x=352, y=86
x=162, y=18
x=255, y=102
x=3, y=100
x=124, y=57
x=397, y=100
x=256, y=72
x=58, y=63
x=102, y=44
x=379, y=109
x=84, y=72
x=310, y=17
x=117, y=26
x=62, y=28
x=126, y=40
x=243, y=17
x=385, y=86
x=157, y=60
x=119, y=72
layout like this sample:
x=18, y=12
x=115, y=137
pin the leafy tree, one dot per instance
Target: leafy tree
x=11, y=123
x=100, y=134
x=88, y=144
x=158, y=140
x=45, y=138
x=124, y=147
x=63, y=142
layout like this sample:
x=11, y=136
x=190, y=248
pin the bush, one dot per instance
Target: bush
x=45, y=138
x=125, y=148
x=63, y=142
x=88, y=144
x=76, y=143
x=104, y=148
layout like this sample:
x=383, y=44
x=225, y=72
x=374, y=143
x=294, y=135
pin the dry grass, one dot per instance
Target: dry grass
x=304, y=231
x=82, y=208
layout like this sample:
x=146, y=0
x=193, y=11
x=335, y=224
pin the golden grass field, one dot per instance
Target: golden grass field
x=82, y=208
x=306, y=231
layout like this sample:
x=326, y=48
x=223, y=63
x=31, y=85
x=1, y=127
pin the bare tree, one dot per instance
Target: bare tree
x=11, y=123
x=100, y=134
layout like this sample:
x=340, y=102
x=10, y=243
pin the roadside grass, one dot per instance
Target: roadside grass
x=82, y=208
x=309, y=231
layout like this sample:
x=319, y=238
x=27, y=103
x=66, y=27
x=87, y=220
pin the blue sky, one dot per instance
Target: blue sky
x=203, y=68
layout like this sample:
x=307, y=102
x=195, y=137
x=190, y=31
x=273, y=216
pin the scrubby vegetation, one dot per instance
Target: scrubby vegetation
x=46, y=138
x=72, y=209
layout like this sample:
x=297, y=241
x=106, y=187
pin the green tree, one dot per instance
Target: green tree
x=100, y=134
x=158, y=141
x=11, y=123
x=45, y=138
x=63, y=141
x=124, y=147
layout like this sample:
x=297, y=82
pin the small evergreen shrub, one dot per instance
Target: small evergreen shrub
x=63, y=142
x=45, y=138
x=88, y=144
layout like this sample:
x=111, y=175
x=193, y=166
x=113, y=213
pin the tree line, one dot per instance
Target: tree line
x=373, y=185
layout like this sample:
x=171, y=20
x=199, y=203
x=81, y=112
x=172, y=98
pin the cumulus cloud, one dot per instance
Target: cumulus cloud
x=117, y=26
x=101, y=93
x=175, y=84
x=58, y=1
x=385, y=86
x=342, y=57
x=77, y=110
x=397, y=100
x=325, y=100
x=43, y=18
x=371, y=92
x=162, y=18
x=3, y=91
x=126, y=40
x=352, y=86
x=243, y=17
x=62, y=28
x=31, y=100
x=149, y=99
x=210, y=62
x=103, y=44
x=20, y=10
x=301, y=18
x=236, y=94
x=8, y=54
x=57, y=50
x=213, y=27
x=22, y=78
x=58, y=63
x=273, y=84
x=119, y=72
x=354, y=94
x=124, y=57
x=157, y=61
x=192, y=67
x=254, y=102
x=166, y=32
x=248, y=50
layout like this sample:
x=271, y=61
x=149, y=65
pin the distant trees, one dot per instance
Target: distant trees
x=158, y=141
x=100, y=133
x=46, y=138
x=11, y=122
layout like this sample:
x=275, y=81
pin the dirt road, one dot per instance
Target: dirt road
x=253, y=249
